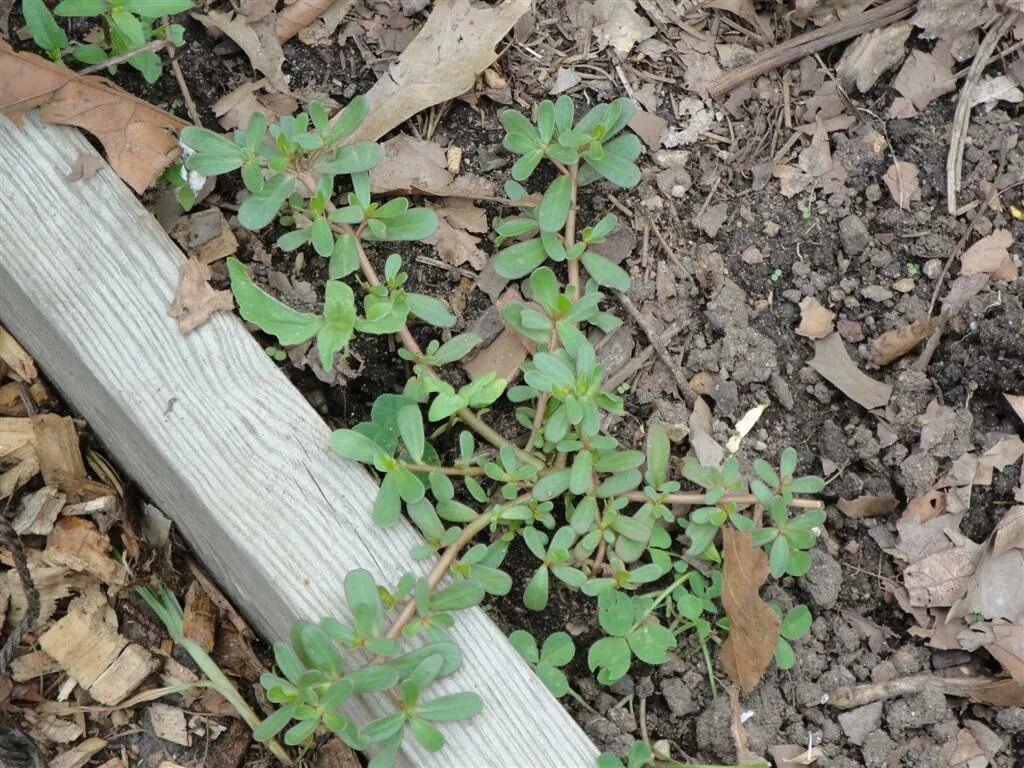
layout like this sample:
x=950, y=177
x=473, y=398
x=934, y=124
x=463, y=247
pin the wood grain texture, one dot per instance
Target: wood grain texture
x=219, y=438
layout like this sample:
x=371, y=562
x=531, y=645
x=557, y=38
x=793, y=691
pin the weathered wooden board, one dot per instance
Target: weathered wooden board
x=219, y=438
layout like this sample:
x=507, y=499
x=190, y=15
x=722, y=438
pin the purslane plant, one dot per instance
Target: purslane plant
x=127, y=25
x=598, y=517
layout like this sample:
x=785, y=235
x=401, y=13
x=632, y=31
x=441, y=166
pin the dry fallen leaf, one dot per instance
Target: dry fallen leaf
x=456, y=246
x=901, y=181
x=940, y=579
x=258, y=39
x=894, y=344
x=411, y=166
x=705, y=447
x=990, y=256
x=868, y=506
x=454, y=45
x=136, y=136
x=871, y=54
x=755, y=626
x=1007, y=647
x=834, y=364
x=924, y=77
x=1017, y=403
x=84, y=167
x=815, y=320
x=619, y=25
x=816, y=159
x=195, y=300
x=949, y=18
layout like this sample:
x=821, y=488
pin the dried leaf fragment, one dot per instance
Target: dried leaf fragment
x=136, y=136
x=868, y=506
x=894, y=344
x=815, y=319
x=619, y=25
x=901, y=181
x=195, y=300
x=454, y=45
x=755, y=627
x=834, y=364
x=990, y=256
x=257, y=38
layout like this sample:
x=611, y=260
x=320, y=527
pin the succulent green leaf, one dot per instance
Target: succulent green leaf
x=554, y=205
x=259, y=209
x=273, y=317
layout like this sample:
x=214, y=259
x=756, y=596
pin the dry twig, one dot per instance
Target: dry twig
x=962, y=116
x=812, y=42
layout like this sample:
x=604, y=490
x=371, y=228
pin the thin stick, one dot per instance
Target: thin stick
x=962, y=116
x=193, y=113
x=655, y=338
x=812, y=42
x=153, y=45
x=695, y=498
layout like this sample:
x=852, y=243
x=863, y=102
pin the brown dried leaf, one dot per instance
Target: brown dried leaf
x=815, y=320
x=85, y=167
x=456, y=246
x=195, y=300
x=868, y=506
x=894, y=344
x=199, y=622
x=949, y=18
x=924, y=77
x=901, y=181
x=411, y=166
x=871, y=54
x=816, y=159
x=136, y=136
x=832, y=362
x=618, y=25
x=454, y=45
x=1008, y=647
x=990, y=256
x=755, y=626
x=258, y=39
x=1017, y=403
x=940, y=579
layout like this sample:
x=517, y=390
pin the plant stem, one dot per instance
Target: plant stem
x=153, y=45
x=441, y=567
x=570, y=230
x=735, y=498
x=226, y=688
x=454, y=471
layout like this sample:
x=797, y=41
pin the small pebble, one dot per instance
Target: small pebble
x=772, y=229
x=752, y=255
x=904, y=285
x=932, y=268
x=876, y=293
x=873, y=193
x=678, y=190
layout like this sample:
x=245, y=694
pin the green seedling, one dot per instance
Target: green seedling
x=127, y=26
x=598, y=517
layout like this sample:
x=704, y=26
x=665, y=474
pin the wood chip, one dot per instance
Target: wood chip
x=25, y=466
x=32, y=665
x=15, y=433
x=95, y=655
x=169, y=724
x=79, y=755
x=60, y=458
x=76, y=543
x=39, y=511
x=16, y=358
x=835, y=366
